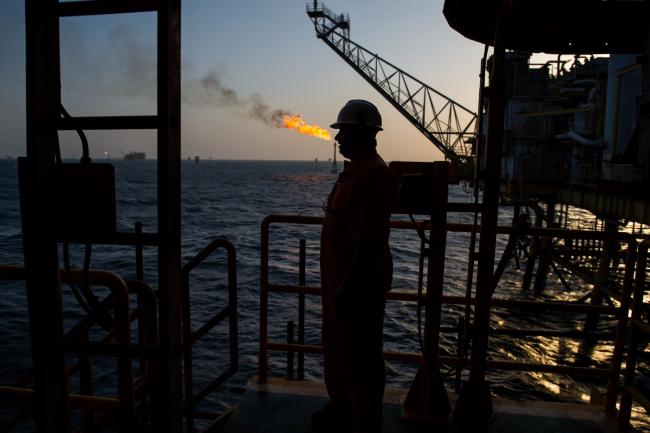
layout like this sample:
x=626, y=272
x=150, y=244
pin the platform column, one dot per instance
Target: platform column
x=50, y=406
x=546, y=247
x=609, y=249
x=474, y=405
x=167, y=411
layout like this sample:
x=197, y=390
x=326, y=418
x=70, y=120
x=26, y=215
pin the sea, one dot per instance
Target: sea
x=228, y=200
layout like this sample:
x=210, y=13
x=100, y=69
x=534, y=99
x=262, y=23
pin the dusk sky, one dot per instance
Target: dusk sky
x=261, y=50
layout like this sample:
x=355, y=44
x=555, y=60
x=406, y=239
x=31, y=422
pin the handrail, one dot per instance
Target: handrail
x=522, y=305
x=265, y=288
x=630, y=391
x=467, y=228
x=328, y=13
x=77, y=401
x=417, y=358
x=120, y=295
x=190, y=337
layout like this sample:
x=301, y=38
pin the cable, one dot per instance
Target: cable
x=102, y=316
x=85, y=159
x=423, y=243
x=419, y=228
x=83, y=292
x=73, y=286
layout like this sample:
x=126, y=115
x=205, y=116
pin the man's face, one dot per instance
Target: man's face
x=347, y=137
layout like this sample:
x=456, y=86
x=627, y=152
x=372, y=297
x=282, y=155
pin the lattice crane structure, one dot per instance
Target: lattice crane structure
x=450, y=126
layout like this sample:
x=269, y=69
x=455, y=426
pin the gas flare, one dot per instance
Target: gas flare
x=297, y=123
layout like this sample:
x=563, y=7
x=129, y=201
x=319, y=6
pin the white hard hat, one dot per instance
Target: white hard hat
x=358, y=112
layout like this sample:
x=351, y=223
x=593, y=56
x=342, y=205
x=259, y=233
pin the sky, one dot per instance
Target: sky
x=237, y=55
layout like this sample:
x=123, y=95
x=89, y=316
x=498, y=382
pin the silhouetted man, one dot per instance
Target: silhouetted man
x=356, y=273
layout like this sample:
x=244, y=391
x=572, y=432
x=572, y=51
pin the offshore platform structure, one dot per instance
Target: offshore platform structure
x=443, y=121
x=545, y=135
x=563, y=110
x=581, y=116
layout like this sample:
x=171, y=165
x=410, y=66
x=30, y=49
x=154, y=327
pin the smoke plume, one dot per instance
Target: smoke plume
x=209, y=91
x=126, y=65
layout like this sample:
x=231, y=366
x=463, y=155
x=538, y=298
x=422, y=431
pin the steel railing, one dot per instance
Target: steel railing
x=190, y=337
x=117, y=342
x=520, y=305
x=320, y=10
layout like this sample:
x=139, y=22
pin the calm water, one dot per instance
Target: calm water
x=229, y=199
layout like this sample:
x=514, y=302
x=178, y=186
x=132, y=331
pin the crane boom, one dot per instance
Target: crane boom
x=446, y=123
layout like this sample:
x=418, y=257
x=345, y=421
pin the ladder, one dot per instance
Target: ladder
x=450, y=126
x=38, y=198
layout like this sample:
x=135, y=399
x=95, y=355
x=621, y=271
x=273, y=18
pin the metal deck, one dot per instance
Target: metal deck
x=283, y=406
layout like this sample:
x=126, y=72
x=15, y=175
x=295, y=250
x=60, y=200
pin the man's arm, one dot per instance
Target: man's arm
x=373, y=200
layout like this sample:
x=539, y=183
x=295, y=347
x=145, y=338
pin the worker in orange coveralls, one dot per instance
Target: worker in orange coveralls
x=356, y=273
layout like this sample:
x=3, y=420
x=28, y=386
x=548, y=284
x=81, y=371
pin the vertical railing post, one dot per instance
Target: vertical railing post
x=188, y=408
x=533, y=254
x=86, y=382
x=621, y=329
x=623, y=419
x=290, y=332
x=139, y=275
x=460, y=342
x=301, y=308
x=262, y=372
x=124, y=366
x=232, y=307
x=546, y=248
x=139, y=256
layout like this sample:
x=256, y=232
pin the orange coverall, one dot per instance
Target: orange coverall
x=356, y=273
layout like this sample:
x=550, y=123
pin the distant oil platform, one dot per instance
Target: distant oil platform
x=134, y=156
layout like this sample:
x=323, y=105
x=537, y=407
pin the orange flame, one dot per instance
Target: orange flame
x=297, y=123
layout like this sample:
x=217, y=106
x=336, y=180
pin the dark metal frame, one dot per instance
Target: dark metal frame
x=40, y=236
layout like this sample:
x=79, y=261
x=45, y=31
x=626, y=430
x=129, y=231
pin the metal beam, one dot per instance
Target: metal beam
x=474, y=405
x=108, y=122
x=36, y=173
x=167, y=415
x=103, y=7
